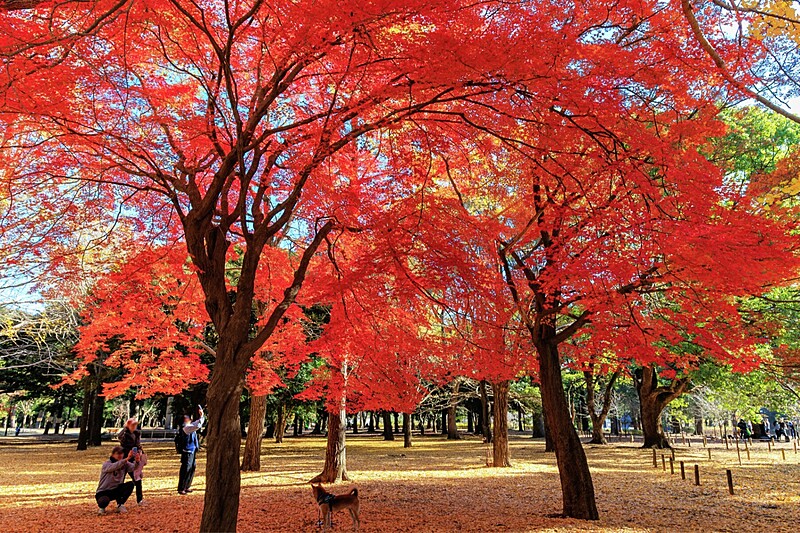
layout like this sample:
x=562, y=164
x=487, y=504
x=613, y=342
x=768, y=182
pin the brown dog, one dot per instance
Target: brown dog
x=328, y=503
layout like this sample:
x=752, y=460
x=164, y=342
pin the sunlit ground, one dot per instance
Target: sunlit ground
x=435, y=486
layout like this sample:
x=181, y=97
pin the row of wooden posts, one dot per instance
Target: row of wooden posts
x=728, y=472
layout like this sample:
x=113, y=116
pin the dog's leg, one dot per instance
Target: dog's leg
x=356, y=519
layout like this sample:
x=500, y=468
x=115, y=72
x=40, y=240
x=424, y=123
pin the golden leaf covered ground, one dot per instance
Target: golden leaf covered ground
x=435, y=486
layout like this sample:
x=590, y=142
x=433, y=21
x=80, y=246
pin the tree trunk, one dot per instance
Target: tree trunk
x=396, y=423
x=500, y=456
x=470, y=424
x=97, y=419
x=598, y=417
x=223, y=481
x=83, y=433
x=371, y=425
x=406, y=430
x=652, y=401
x=577, y=489
x=355, y=424
x=336, y=451
x=387, y=426
x=452, y=429
x=251, y=460
x=421, y=425
x=280, y=423
x=486, y=423
x=520, y=418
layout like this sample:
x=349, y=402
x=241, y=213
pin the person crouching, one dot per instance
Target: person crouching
x=112, y=475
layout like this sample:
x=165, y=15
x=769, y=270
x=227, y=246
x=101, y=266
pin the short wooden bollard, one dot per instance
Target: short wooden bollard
x=663, y=463
x=697, y=475
x=795, y=446
x=683, y=438
x=655, y=459
x=683, y=471
x=690, y=442
x=726, y=442
x=672, y=452
x=705, y=443
x=748, y=454
x=769, y=445
x=739, y=455
x=709, y=454
x=783, y=454
x=730, y=481
x=671, y=466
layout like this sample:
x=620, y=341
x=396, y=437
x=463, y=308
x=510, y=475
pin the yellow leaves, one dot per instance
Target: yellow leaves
x=437, y=485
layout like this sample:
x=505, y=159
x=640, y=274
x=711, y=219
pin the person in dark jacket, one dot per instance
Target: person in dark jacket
x=188, y=448
x=130, y=437
x=112, y=475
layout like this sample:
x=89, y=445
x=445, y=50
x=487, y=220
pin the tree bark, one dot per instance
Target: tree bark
x=452, y=429
x=97, y=419
x=652, y=401
x=577, y=489
x=406, y=430
x=223, y=481
x=335, y=468
x=387, y=426
x=486, y=422
x=598, y=418
x=371, y=425
x=280, y=423
x=500, y=457
x=83, y=433
x=251, y=460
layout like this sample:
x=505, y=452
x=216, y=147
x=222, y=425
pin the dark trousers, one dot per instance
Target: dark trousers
x=138, y=484
x=120, y=493
x=187, y=471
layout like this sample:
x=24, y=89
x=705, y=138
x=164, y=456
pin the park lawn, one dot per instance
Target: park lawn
x=435, y=486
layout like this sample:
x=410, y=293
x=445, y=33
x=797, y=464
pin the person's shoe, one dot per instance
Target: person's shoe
x=121, y=509
x=182, y=492
x=101, y=512
x=187, y=491
x=142, y=503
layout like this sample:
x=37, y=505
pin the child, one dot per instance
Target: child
x=112, y=475
x=138, y=473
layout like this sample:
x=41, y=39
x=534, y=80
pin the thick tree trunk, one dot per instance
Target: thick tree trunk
x=486, y=423
x=406, y=430
x=443, y=422
x=371, y=424
x=598, y=417
x=577, y=489
x=520, y=418
x=470, y=424
x=251, y=460
x=396, y=422
x=652, y=400
x=336, y=451
x=355, y=424
x=387, y=426
x=500, y=456
x=223, y=481
x=452, y=429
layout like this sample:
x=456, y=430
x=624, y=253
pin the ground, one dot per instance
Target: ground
x=437, y=485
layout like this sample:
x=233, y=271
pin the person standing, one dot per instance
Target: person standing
x=112, y=475
x=138, y=474
x=130, y=437
x=187, y=444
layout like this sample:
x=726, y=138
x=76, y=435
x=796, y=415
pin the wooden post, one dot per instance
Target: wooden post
x=748, y=454
x=683, y=437
x=683, y=471
x=690, y=442
x=631, y=437
x=726, y=441
x=663, y=463
x=671, y=466
x=739, y=455
x=795, y=446
x=705, y=441
x=709, y=454
x=769, y=445
x=783, y=454
x=672, y=450
x=655, y=459
x=730, y=481
x=697, y=475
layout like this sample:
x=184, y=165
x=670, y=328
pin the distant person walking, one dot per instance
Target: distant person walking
x=187, y=444
x=112, y=475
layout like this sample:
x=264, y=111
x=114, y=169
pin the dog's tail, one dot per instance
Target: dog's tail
x=354, y=492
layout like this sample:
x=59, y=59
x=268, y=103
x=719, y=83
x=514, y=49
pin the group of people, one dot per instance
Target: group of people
x=129, y=459
x=782, y=428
